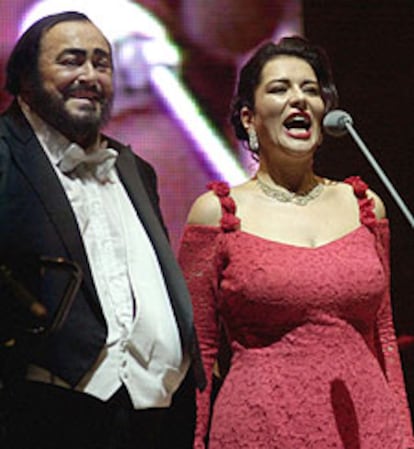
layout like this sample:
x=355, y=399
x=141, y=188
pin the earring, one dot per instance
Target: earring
x=253, y=142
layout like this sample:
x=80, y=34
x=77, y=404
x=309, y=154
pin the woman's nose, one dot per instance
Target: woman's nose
x=298, y=97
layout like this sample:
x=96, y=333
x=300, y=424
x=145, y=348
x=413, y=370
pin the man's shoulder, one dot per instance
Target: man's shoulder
x=5, y=116
x=123, y=148
x=6, y=120
x=114, y=143
x=12, y=121
x=3, y=131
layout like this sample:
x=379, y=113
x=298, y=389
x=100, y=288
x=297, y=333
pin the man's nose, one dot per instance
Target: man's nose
x=88, y=72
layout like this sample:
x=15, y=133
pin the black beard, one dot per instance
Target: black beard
x=82, y=130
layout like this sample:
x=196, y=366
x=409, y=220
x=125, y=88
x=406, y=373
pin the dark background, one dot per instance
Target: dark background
x=371, y=47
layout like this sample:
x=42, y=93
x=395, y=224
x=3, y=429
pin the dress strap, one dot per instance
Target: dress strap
x=228, y=222
x=366, y=205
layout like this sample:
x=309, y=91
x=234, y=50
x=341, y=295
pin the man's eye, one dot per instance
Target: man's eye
x=69, y=62
x=103, y=64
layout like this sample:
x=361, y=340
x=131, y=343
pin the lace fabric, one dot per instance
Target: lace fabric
x=315, y=362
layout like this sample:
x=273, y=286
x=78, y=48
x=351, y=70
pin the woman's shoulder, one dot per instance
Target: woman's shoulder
x=359, y=189
x=206, y=210
x=379, y=207
x=217, y=207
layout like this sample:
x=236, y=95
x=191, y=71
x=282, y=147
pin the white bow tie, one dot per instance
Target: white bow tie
x=98, y=162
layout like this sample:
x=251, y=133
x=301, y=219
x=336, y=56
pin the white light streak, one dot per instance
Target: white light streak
x=211, y=147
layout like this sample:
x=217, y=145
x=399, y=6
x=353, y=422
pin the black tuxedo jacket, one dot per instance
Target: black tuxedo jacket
x=36, y=219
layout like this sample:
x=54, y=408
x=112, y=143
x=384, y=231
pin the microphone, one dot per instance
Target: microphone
x=337, y=123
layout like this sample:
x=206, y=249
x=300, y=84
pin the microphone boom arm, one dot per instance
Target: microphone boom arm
x=384, y=178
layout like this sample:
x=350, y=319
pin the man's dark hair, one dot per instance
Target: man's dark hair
x=22, y=66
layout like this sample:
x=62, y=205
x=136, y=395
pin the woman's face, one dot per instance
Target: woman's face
x=288, y=108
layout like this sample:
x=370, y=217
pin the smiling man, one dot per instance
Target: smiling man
x=73, y=92
x=106, y=378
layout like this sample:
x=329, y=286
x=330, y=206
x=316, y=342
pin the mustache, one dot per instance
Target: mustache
x=92, y=89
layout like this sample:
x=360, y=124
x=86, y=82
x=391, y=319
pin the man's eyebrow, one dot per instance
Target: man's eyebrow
x=101, y=52
x=81, y=52
x=72, y=52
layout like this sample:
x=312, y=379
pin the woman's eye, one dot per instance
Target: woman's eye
x=312, y=90
x=277, y=89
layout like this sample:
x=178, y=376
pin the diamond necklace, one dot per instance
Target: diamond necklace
x=284, y=196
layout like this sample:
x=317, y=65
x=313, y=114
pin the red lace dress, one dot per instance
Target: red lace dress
x=315, y=362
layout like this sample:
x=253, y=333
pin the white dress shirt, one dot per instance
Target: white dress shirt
x=143, y=349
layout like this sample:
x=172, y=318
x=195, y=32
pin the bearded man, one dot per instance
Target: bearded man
x=106, y=376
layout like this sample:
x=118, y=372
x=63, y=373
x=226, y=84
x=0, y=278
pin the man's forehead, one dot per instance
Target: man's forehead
x=76, y=35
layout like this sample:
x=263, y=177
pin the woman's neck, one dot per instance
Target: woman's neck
x=295, y=178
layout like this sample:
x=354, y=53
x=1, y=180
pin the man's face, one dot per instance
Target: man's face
x=75, y=90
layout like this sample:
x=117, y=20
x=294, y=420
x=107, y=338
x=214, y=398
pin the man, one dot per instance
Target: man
x=102, y=371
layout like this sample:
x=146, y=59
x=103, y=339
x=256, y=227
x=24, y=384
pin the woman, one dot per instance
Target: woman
x=295, y=268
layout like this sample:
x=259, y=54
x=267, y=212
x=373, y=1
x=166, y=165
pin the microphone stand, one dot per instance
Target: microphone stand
x=384, y=178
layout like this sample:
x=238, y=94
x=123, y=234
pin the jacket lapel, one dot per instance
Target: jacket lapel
x=177, y=289
x=34, y=163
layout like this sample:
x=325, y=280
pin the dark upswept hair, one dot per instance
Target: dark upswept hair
x=251, y=72
x=22, y=66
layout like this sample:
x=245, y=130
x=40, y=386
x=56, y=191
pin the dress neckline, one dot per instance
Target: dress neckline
x=328, y=244
x=332, y=242
x=229, y=221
